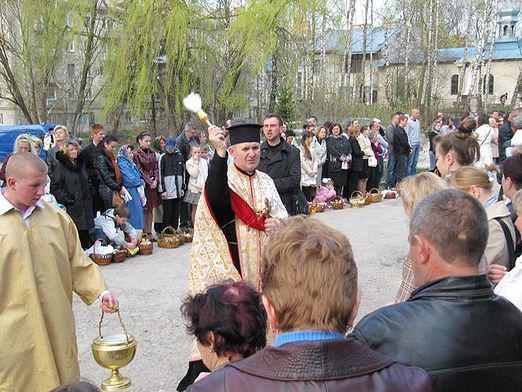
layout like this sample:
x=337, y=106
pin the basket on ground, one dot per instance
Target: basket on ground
x=119, y=255
x=145, y=245
x=100, y=259
x=357, y=199
x=338, y=203
x=321, y=207
x=375, y=195
x=169, y=238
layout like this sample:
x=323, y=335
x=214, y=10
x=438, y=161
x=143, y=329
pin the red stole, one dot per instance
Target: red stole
x=245, y=213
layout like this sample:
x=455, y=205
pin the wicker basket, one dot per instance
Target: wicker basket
x=357, y=200
x=375, y=195
x=100, y=259
x=145, y=248
x=119, y=255
x=169, y=238
x=312, y=208
x=338, y=203
x=321, y=207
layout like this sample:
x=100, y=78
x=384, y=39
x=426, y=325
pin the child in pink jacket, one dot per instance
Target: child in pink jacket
x=326, y=192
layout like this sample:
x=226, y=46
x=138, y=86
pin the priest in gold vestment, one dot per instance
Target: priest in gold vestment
x=239, y=207
x=41, y=264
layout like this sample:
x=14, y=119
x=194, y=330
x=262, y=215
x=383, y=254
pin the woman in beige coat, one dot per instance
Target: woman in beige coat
x=476, y=182
x=366, y=148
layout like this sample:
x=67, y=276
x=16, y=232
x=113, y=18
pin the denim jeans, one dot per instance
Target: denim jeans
x=390, y=171
x=413, y=159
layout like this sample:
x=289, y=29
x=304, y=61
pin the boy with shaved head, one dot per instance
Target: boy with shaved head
x=41, y=264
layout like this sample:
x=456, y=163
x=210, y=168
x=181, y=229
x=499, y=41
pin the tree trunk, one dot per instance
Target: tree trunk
x=87, y=64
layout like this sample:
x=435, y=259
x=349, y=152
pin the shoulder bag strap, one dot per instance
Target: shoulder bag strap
x=510, y=243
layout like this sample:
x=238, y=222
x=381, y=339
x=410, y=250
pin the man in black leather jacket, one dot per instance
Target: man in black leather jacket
x=310, y=352
x=281, y=161
x=453, y=325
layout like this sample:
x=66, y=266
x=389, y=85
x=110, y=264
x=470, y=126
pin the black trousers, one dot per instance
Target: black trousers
x=309, y=192
x=372, y=179
x=171, y=211
x=353, y=183
x=185, y=209
x=400, y=166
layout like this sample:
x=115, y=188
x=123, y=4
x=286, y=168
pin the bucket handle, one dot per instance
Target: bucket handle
x=121, y=323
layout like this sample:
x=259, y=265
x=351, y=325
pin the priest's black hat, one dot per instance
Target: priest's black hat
x=244, y=132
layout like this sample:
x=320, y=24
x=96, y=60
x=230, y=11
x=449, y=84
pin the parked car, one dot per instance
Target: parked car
x=9, y=133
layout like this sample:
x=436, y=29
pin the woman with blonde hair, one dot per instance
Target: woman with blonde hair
x=23, y=143
x=308, y=167
x=366, y=148
x=477, y=183
x=71, y=187
x=413, y=190
x=60, y=134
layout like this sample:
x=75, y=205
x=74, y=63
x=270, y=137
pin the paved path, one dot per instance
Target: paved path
x=150, y=289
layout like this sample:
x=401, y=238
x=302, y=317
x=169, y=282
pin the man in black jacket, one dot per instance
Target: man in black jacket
x=281, y=161
x=89, y=155
x=453, y=325
x=391, y=169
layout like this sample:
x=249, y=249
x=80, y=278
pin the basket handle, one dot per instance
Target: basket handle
x=169, y=228
x=357, y=194
x=97, y=242
x=121, y=323
x=376, y=191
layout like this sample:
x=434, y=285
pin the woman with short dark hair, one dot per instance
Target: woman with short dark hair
x=228, y=321
x=339, y=155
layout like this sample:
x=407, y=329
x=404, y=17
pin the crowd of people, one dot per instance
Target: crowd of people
x=157, y=181
x=273, y=299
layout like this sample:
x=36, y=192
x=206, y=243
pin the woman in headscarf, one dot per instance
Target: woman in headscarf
x=131, y=181
x=145, y=160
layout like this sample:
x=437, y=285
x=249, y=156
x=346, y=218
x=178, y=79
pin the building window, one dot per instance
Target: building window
x=355, y=65
x=51, y=95
x=71, y=46
x=374, y=96
x=488, y=85
x=455, y=85
x=69, y=21
x=71, y=70
x=1, y=118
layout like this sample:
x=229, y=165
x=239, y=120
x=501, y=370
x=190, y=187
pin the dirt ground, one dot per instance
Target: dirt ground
x=150, y=290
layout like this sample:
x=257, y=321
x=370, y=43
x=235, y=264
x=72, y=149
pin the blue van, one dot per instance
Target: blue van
x=9, y=133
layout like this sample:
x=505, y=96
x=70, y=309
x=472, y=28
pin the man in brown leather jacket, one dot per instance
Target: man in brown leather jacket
x=309, y=287
x=453, y=326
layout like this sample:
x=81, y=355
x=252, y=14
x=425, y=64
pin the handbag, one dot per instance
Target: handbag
x=117, y=199
x=372, y=162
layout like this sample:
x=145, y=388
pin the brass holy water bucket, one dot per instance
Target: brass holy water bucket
x=114, y=352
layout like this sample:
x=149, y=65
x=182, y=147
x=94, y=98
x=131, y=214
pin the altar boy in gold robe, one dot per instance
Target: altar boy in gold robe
x=239, y=207
x=41, y=264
